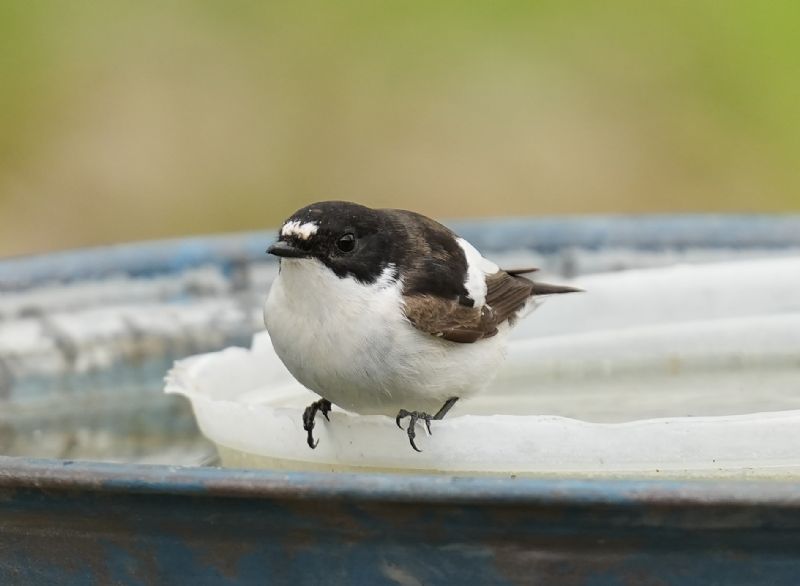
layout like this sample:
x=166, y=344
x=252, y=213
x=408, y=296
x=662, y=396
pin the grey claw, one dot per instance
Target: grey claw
x=412, y=424
x=322, y=405
x=400, y=415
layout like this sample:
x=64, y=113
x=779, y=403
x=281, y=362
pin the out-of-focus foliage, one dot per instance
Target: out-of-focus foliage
x=124, y=120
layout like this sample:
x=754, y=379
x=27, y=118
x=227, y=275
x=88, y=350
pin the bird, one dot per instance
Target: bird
x=386, y=311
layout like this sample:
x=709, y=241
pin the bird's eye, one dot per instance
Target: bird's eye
x=347, y=242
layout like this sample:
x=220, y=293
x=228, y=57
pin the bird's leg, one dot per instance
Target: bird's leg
x=324, y=407
x=445, y=408
x=417, y=415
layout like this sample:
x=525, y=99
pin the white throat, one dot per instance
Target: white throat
x=311, y=287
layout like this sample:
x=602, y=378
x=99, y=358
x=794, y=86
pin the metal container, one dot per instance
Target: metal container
x=86, y=337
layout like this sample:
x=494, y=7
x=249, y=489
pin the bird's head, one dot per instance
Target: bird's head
x=350, y=239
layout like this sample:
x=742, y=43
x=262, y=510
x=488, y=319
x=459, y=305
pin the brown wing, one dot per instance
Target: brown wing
x=506, y=294
x=456, y=322
x=449, y=319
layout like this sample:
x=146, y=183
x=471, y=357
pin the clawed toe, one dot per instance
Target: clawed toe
x=417, y=415
x=402, y=413
x=412, y=424
x=324, y=407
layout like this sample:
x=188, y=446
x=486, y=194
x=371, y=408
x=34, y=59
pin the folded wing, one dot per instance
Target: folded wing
x=506, y=294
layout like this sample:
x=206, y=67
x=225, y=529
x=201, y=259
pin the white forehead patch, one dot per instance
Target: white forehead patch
x=295, y=228
x=477, y=269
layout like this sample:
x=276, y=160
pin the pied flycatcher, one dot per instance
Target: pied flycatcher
x=386, y=311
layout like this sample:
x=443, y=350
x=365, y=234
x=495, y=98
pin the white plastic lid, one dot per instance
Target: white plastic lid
x=690, y=370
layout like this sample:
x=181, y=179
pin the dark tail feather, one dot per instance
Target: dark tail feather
x=516, y=272
x=545, y=289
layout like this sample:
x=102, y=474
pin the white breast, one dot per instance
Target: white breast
x=351, y=344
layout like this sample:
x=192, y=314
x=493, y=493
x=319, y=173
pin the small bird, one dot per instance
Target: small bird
x=384, y=311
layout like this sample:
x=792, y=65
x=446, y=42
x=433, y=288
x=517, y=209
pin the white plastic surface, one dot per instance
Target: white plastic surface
x=688, y=370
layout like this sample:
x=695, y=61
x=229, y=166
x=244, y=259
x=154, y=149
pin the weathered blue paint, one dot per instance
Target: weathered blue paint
x=95, y=523
x=64, y=521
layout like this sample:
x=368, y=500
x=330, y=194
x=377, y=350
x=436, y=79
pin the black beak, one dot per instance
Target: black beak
x=286, y=250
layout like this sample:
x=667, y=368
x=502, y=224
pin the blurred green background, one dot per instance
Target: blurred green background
x=123, y=121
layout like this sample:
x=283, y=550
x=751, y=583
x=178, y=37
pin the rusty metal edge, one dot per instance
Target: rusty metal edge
x=68, y=476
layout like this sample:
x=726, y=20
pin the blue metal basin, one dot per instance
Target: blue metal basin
x=101, y=478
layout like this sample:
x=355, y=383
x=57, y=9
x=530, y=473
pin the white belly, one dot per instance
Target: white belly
x=353, y=346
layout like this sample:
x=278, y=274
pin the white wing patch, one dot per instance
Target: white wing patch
x=477, y=269
x=295, y=228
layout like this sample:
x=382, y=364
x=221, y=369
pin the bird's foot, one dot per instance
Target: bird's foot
x=416, y=416
x=412, y=424
x=324, y=407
